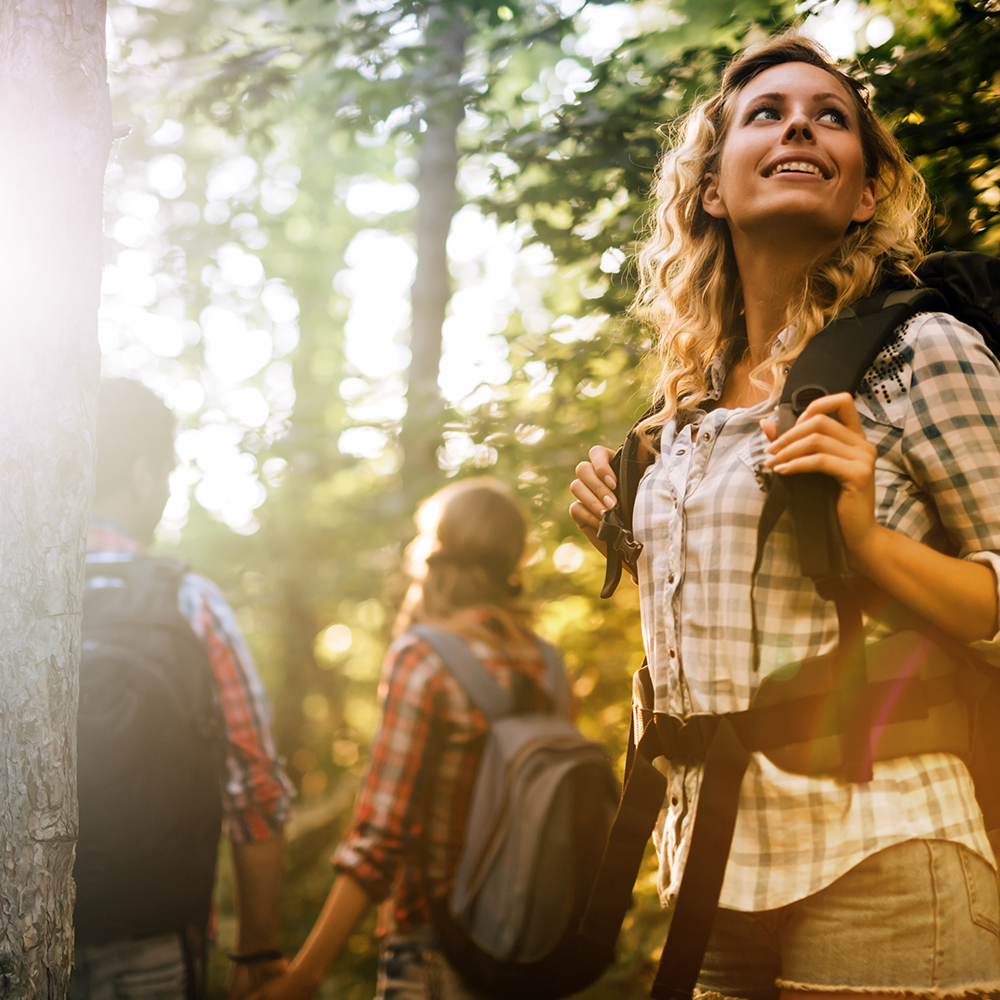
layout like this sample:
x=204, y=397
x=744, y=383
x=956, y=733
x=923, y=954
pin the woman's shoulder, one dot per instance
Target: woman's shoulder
x=930, y=354
x=939, y=338
x=412, y=661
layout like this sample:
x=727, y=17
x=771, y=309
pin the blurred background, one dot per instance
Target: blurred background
x=362, y=247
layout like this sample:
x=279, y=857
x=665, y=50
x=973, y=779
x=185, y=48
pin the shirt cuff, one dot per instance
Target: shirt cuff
x=258, y=820
x=356, y=863
x=988, y=649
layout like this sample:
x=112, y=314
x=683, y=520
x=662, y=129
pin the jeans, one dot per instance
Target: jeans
x=147, y=969
x=412, y=968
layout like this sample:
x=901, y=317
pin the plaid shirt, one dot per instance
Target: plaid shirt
x=256, y=794
x=929, y=405
x=409, y=819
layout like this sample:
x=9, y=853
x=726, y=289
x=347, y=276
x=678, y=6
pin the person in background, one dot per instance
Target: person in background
x=406, y=838
x=135, y=444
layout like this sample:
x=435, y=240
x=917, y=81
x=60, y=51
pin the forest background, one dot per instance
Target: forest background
x=292, y=170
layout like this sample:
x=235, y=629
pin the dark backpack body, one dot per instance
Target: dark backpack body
x=541, y=810
x=966, y=694
x=150, y=759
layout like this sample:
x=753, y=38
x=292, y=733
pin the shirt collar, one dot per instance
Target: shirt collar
x=106, y=534
x=719, y=366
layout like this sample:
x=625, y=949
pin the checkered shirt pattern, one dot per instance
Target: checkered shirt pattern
x=408, y=830
x=256, y=795
x=929, y=405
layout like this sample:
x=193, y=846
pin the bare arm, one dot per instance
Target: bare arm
x=258, y=866
x=344, y=908
x=958, y=596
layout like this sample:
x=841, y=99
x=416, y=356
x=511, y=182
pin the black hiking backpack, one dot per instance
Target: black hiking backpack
x=150, y=760
x=541, y=810
x=955, y=699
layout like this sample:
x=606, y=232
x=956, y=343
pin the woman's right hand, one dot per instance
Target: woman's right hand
x=594, y=491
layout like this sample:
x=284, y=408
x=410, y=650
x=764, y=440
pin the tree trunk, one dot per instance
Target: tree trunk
x=420, y=435
x=55, y=135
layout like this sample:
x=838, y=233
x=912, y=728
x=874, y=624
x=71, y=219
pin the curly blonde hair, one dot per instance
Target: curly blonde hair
x=690, y=289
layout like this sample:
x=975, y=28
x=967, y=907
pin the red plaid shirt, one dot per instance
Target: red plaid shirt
x=256, y=794
x=409, y=820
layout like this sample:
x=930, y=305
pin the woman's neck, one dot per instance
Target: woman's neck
x=771, y=274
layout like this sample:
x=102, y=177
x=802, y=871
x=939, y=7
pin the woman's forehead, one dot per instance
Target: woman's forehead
x=795, y=79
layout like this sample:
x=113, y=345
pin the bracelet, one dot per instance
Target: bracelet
x=251, y=957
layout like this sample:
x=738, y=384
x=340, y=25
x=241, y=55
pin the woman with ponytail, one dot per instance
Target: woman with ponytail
x=408, y=830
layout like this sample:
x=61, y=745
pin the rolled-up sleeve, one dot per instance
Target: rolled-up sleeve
x=256, y=793
x=383, y=826
x=951, y=440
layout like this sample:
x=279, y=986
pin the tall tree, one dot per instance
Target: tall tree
x=443, y=61
x=56, y=133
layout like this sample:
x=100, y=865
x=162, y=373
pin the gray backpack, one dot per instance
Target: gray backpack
x=543, y=803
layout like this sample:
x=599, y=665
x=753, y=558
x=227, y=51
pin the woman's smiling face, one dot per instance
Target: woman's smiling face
x=792, y=157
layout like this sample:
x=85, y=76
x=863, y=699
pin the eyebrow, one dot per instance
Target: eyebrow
x=776, y=96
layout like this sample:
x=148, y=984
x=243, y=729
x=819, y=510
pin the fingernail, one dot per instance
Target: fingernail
x=609, y=502
x=610, y=480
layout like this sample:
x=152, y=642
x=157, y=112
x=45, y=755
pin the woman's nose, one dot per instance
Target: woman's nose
x=798, y=125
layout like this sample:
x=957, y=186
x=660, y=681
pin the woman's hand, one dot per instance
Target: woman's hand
x=594, y=491
x=289, y=986
x=828, y=437
x=244, y=978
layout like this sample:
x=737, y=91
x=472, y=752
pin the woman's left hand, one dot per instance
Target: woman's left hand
x=289, y=986
x=828, y=437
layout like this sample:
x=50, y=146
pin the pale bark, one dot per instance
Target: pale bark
x=438, y=200
x=55, y=135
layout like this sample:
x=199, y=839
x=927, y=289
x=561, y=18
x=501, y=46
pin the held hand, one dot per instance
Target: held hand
x=594, y=491
x=288, y=986
x=829, y=438
x=245, y=977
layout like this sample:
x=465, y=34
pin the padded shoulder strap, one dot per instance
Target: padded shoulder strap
x=836, y=360
x=132, y=591
x=488, y=696
x=838, y=357
x=556, y=681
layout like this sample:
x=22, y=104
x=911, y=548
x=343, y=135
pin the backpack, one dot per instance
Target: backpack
x=816, y=717
x=150, y=760
x=541, y=809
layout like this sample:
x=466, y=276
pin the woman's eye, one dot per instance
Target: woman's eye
x=835, y=116
x=765, y=113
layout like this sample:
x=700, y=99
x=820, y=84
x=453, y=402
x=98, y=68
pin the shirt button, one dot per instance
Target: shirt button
x=672, y=654
x=707, y=437
x=670, y=579
x=680, y=451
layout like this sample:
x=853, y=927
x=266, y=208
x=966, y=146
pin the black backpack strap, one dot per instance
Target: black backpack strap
x=836, y=360
x=615, y=529
x=641, y=801
x=726, y=760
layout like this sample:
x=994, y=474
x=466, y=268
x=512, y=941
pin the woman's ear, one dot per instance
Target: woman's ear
x=866, y=206
x=711, y=197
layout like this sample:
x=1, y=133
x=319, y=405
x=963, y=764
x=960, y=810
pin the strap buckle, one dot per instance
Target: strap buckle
x=686, y=740
x=618, y=537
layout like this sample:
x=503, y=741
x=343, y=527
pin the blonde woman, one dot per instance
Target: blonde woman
x=784, y=200
x=404, y=843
